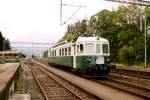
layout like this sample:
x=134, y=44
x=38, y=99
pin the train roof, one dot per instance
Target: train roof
x=84, y=39
x=81, y=39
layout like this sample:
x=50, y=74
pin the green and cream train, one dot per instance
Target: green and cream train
x=87, y=55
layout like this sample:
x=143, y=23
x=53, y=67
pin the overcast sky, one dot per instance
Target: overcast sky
x=39, y=20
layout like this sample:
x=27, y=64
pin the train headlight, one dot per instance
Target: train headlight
x=89, y=59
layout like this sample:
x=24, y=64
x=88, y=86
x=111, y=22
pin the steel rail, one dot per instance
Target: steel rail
x=123, y=89
x=77, y=96
x=61, y=84
x=45, y=96
x=132, y=75
x=135, y=74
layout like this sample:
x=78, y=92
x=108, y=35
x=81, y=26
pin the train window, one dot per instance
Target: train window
x=105, y=48
x=77, y=48
x=65, y=51
x=55, y=52
x=98, y=48
x=69, y=50
x=81, y=48
x=51, y=53
x=89, y=48
x=62, y=51
x=59, y=52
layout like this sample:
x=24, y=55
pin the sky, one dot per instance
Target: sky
x=39, y=20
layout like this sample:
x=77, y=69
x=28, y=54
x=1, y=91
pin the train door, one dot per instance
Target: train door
x=74, y=56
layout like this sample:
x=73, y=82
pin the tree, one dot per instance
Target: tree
x=4, y=43
x=126, y=55
x=1, y=41
x=121, y=27
x=7, y=45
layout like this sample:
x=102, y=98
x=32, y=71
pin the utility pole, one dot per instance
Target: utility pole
x=69, y=5
x=145, y=61
x=60, y=12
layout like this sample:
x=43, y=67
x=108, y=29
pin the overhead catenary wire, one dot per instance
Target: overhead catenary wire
x=61, y=9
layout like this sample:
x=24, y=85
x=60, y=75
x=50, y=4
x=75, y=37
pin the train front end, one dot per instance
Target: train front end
x=93, y=56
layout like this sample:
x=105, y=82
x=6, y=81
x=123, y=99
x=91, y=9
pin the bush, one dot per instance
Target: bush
x=126, y=55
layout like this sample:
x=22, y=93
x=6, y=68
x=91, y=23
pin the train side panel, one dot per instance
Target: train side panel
x=82, y=62
x=61, y=60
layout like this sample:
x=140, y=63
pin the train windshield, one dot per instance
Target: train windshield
x=105, y=48
x=89, y=48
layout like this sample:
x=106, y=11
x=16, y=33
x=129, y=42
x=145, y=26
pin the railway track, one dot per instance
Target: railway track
x=51, y=88
x=126, y=84
x=134, y=73
x=130, y=84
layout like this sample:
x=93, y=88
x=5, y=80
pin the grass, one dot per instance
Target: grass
x=19, y=84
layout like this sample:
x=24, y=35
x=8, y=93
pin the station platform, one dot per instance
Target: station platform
x=21, y=97
x=8, y=74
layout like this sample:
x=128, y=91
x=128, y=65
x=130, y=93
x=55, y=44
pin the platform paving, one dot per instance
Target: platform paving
x=21, y=97
x=7, y=72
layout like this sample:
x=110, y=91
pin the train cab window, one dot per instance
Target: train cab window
x=89, y=48
x=65, y=51
x=105, y=48
x=69, y=50
x=51, y=53
x=81, y=48
x=98, y=48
